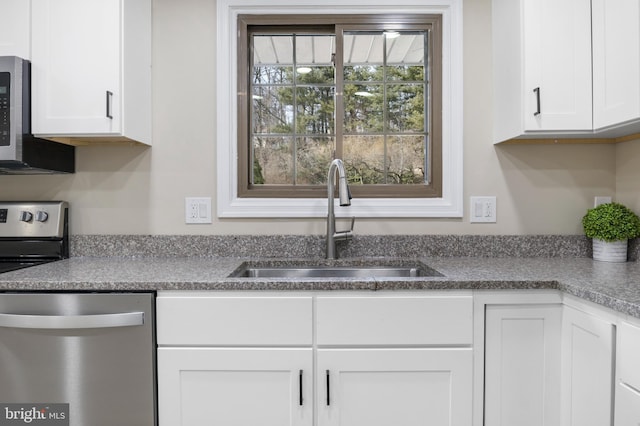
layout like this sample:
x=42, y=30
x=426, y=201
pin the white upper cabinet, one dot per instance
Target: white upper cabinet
x=557, y=62
x=616, y=62
x=15, y=36
x=541, y=63
x=91, y=69
x=565, y=68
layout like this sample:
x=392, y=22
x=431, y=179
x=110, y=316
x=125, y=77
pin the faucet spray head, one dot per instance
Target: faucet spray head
x=343, y=187
x=344, y=192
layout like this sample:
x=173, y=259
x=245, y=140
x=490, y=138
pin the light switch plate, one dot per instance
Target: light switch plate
x=197, y=210
x=482, y=209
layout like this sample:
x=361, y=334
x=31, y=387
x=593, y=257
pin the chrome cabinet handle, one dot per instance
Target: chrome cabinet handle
x=109, y=98
x=125, y=319
x=537, y=92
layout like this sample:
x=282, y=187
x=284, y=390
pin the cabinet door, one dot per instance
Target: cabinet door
x=557, y=65
x=627, y=406
x=15, y=33
x=628, y=376
x=522, y=365
x=616, y=62
x=76, y=67
x=381, y=387
x=587, y=369
x=240, y=387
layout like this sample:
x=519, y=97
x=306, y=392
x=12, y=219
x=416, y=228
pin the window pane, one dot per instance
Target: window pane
x=363, y=108
x=310, y=74
x=363, y=48
x=406, y=156
x=364, y=159
x=384, y=102
x=405, y=73
x=313, y=155
x=315, y=110
x=315, y=50
x=274, y=50
x=272, y=110
x=363, y=73
x=405, y=107
x=406, y=47
x=272, y=161
x=265, y=74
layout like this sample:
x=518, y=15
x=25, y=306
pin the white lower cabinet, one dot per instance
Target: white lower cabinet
x=587, y=369
x=522, y=365
x=534, y=358
x=381, y=387
x=214, y=386
x=627, y=401
x=627, y=406
x=254, y=358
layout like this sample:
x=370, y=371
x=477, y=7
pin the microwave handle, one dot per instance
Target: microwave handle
x=125, y=319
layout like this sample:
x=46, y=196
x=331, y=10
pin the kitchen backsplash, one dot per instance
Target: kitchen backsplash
x=300, y=246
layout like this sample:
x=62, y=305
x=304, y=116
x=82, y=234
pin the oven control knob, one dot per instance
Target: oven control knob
x=42, y=216
x=26, y=216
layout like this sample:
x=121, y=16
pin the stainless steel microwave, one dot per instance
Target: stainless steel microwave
x=20, y=151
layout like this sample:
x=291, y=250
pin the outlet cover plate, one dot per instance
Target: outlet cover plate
x=482, y=209
x=197, y=210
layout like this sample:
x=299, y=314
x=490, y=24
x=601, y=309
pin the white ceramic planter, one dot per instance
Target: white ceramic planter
x=615, y=251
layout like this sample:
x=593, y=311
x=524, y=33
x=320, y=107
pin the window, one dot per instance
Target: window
x=380, y=90
x=362, y=88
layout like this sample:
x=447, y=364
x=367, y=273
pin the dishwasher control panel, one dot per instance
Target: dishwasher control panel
x=33, y=219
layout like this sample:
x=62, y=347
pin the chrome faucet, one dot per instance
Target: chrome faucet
x=345, y=200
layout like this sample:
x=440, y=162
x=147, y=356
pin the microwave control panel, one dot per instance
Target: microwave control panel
x=5, y=96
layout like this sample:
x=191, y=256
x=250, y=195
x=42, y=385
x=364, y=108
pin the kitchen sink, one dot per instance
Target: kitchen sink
x=333, y=269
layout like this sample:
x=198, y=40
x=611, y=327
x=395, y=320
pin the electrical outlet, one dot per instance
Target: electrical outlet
x=597, y=200
x=197, y=210
x=482, y=210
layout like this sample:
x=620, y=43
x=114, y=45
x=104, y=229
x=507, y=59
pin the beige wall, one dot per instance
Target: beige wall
x=134, y=190
x=628, y=174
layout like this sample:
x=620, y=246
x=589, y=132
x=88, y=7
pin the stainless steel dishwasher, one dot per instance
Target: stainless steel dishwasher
x=77, y=359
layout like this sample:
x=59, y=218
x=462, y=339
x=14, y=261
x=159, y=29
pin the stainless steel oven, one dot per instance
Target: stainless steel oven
x=32, y=233
x=70, y=359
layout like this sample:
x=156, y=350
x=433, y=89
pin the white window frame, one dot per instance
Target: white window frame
x=229, y=205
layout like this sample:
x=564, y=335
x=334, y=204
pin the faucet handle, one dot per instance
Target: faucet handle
x=347, y=234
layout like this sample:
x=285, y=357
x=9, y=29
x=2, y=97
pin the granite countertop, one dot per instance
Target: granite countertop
x=616, y=286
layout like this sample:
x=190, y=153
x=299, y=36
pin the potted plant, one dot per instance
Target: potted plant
x=611, y=225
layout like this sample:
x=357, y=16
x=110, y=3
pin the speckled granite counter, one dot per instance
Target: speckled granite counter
x=616, y=286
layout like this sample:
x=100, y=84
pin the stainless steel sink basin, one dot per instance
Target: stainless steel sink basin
x=333, y=270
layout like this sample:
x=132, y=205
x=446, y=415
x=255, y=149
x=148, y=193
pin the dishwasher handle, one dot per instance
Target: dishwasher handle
x=68, y=322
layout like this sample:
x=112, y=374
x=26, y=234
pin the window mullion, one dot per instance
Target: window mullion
x=338, y=63
x=385, y=112
x=294, y=142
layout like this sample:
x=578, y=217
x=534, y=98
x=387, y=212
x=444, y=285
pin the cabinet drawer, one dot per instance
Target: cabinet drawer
x=629, y=368
x=232, y=321
x=394, y=320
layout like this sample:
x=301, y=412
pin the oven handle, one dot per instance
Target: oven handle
x=125, y=319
